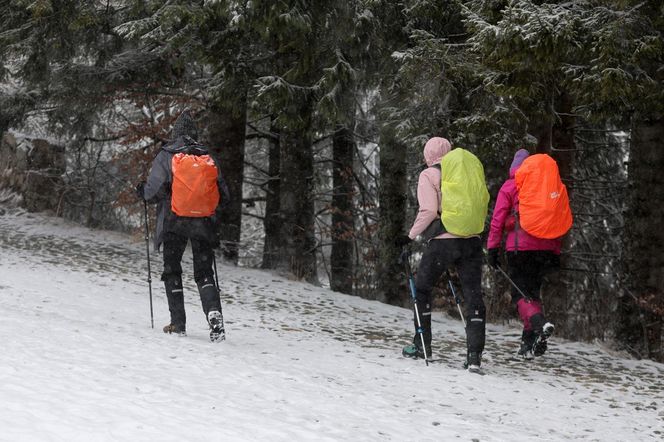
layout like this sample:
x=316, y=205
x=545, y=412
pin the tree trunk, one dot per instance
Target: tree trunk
x=343, y=227
x=297, y=251
x=272, y=220
x=557, y=140
x=642, y=305
x=226, y=136
x=392, y=201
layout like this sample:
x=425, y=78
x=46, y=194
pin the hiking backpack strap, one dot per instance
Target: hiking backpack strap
x=436, y=227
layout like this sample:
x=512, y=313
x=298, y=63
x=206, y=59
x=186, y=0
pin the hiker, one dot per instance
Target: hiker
x=529, y=258
x=444, y=250
x=189, y=190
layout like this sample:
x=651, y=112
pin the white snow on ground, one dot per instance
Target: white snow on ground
x=80, y=362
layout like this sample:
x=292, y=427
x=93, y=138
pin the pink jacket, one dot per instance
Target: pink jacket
x=428, y=188
x=503, y=221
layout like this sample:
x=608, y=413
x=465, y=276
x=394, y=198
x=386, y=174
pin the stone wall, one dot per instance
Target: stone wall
x=32, y=168
x=13, y=164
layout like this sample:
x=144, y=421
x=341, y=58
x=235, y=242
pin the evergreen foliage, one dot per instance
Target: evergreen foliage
x=347, y=93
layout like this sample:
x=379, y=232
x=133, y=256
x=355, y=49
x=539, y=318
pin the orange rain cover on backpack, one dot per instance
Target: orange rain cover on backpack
x=194, y=192
x=544, y=210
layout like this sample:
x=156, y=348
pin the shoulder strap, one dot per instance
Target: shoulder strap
x=436, y=227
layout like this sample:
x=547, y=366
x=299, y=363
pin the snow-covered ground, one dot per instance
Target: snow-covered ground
x=80, y=361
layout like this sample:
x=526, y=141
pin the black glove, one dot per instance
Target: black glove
x=139, y=190
x=402, y=240
x=494, y=257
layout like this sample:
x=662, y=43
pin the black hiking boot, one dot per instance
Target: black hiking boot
x=526, y=351
x=540, y=346
x=474, y=362
x=216, y=321
x=175, y=329
x=175, y=297
x=527, y=341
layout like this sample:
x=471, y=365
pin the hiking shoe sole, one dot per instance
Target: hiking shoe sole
x=527, y=355
x=540, y=346
x=474, y=369
x=217, y=332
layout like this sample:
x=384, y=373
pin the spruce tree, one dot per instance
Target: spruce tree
x=308, y=87
x=624, y=86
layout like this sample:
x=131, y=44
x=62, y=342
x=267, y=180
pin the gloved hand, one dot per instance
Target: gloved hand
x=402, y=240
x=494, y=257
x=140, y=190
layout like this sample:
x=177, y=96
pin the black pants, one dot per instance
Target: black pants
x=527, y=269
x=174, y=246
x=466, y=255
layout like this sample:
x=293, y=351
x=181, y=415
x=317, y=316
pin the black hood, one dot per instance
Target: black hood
x=184, y=127
x=184, y=135
x=185, y=145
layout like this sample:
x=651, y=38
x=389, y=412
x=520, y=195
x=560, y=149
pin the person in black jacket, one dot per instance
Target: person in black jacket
x=175, y=231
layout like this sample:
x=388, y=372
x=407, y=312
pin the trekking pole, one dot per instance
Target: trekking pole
x=216, y=282
x=512, y=282
x=147, y=249
x=405, y=257
x=456, y=298
x=214, y=261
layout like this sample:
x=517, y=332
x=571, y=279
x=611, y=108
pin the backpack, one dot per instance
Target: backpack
x=194, y=192
x=544, y=210
x=464, y=195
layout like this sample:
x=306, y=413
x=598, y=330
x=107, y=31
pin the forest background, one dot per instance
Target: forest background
x=318, y=112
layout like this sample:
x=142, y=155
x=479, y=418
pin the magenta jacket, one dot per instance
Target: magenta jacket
x=503, y=220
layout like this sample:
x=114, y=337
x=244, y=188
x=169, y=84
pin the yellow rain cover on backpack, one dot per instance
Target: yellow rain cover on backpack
x=464, y=195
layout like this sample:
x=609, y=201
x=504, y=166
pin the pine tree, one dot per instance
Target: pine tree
x=624, y=85
x=389, y=36
x=308, y=87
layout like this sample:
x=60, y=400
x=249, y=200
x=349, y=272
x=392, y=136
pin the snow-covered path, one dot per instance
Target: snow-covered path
x=80, y=361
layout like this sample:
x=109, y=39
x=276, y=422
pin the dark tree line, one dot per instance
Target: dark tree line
x=318, y=112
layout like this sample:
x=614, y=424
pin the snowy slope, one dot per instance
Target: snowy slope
x=80, y=361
